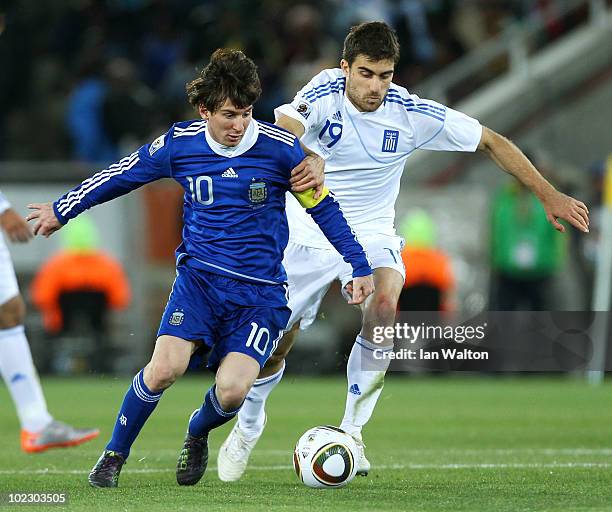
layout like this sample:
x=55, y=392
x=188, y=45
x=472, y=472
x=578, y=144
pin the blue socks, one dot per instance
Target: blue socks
x=210, y=415
x=137, y=406
x=139, y=403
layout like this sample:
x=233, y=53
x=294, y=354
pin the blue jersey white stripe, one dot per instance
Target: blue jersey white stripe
x=276, y=134
x=191, y=130
x=76, y=196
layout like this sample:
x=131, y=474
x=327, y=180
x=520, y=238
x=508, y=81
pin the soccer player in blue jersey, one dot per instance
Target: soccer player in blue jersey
x=229, y=294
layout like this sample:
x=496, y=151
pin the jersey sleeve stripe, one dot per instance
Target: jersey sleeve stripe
x=313, y=96
x=289, y=136
x=276, y=137
x=193, y=126
x=96, y=177
x=410, y=102
x=103, y=177
x=435, y=115
x=338, y=82
x=190, y=133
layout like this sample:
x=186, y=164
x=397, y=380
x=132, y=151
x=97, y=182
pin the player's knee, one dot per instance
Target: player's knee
x=381, y=311
x=159, y=376
x=231, y=395
x=385, y=306
x=12, y=313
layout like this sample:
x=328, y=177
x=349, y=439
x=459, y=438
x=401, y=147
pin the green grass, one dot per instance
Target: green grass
x=439, y=444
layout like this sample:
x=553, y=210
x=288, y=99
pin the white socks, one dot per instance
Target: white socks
x=21, y=379
x=365, y=373
x=252, y=415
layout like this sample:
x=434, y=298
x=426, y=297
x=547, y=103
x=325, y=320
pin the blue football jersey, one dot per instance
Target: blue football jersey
x=234, y=202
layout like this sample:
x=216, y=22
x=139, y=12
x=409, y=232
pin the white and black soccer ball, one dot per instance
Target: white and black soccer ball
x=325, y=457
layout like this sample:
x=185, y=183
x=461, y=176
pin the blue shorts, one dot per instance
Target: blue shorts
x=225, y=314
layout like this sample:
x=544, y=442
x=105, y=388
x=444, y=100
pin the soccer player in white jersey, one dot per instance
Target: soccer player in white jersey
x=365, y=127
x=39, y=431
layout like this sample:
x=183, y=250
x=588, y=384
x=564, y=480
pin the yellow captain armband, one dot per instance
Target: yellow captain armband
x=306, y=198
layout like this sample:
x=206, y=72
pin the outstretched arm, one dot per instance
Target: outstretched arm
x=149, y=163
x=512, y=160
x=16, y=229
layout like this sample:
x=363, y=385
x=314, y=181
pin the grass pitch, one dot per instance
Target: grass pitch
x=439, y=444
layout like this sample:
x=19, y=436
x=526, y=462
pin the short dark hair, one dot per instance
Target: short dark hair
x=230, y=74
x=375, y=40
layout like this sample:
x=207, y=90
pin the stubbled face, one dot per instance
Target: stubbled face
x=228, y=124
x=367, y=81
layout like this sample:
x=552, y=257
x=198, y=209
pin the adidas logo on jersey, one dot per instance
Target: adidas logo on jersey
x=355, y=389
x=230, y=173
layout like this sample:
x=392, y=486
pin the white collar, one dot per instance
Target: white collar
x=247, y=142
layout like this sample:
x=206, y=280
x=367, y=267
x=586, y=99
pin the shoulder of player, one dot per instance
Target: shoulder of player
x=329, y=82
x=402, y=101
x=275, y=134
x=184, y=130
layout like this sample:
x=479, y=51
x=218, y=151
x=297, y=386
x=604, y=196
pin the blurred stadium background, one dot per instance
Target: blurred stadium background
x=85, y=82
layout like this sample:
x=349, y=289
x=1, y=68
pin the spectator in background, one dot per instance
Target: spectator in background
x=76, y=288
x=84, y=116
x=526, y=252
x=429, y=275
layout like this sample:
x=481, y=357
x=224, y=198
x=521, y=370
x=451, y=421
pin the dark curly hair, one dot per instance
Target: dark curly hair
x=230, y=74
x=376, y=40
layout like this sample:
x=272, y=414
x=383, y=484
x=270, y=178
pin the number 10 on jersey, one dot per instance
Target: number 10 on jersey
x=195, y=187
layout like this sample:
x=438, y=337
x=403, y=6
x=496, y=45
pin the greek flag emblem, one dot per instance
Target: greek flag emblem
x=390, y=139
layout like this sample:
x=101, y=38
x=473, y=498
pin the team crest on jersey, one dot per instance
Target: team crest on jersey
x=258, y=191
x=304, y=110
x=177, y=318
x=156, y=144
x=390, y=139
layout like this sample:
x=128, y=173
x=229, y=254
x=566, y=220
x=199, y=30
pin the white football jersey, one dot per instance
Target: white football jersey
x=4, y=204
x=365, y=152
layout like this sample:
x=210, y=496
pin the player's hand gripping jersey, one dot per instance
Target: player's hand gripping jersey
x=234, y=206
x=365, y=152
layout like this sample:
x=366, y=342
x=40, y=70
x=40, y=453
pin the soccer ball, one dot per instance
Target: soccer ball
x=325, y=457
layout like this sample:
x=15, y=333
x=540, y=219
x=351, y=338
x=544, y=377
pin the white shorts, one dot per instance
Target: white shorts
x=311, y=271
x=8, y=281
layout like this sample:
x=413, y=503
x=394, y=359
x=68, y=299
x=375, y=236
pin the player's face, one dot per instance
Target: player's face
x=367, y=81
x=228, y=124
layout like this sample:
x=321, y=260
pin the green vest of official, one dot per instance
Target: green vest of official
x=524, y=243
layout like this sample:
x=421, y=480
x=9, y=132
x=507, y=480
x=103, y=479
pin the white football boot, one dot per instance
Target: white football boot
x=363, y=464
x=234, y=454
